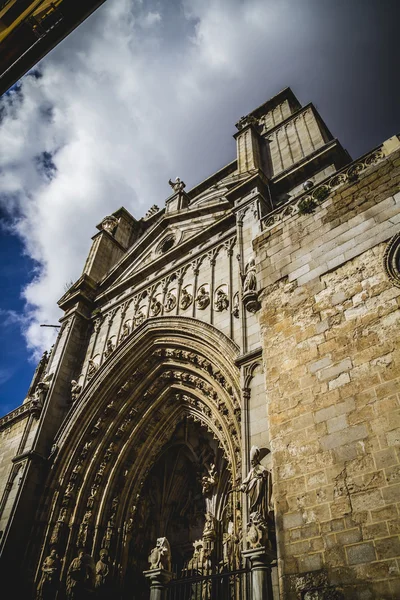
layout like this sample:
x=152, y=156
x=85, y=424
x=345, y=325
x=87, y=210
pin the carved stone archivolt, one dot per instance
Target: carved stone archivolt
x=125, y=429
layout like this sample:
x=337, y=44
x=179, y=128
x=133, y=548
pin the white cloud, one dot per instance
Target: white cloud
x=140, y=92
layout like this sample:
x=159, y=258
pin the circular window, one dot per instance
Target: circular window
x=166, y=244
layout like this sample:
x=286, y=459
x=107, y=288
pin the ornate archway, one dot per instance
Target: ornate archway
x=169, y=373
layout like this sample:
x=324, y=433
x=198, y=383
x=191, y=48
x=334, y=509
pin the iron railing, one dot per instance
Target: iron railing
x=200, y=585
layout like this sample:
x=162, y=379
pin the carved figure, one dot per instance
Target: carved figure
x=109, y=223
x=41, y=391
x=170, y=302
x=49, y=580
x=235, y=310
x=83, y=529
x=80, y=577
x=110, y=347
x=160, y=556
x=209, y=481
x=155, y=307
x=186, y=299
x=209, y=527
x=92, y=368
x=250, y=279
x=202, y=298
x=138, y=318
x=221, y=301
x=125, y=332
x=258, y=485
x=178, y=185
x=102, y=570
x=75, y=390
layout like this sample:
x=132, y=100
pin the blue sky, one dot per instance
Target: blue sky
x=148, y=90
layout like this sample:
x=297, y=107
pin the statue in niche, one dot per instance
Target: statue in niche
x=202, y=298
x=250, y=279
x=186, y=299
x=209, y=528
x=235, y=310
x=221, y=300
x=75, y=390
x=49, y=580
x=258, y=488
x=125, y=332
x=178, y=185
x=92, y=368
x=80, y=577
x=170, y=302
x=210, y=480
x=102, y=571
x=160, y=556
x=155, y=307
x=110, y=347
x=41, y=390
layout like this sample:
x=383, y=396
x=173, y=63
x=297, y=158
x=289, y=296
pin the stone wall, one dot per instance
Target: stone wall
x=330, y=328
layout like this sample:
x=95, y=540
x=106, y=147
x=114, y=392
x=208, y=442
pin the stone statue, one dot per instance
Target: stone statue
x=160, y=556
x=41, y=391
x=102, y=570
x=170, y=302
x=125, y=332
x=75, y=390
x=178, y=185
x=221, y=301
x=209, y=528
x=49, y=580
x=186, y=299
x=109, y=223
x=138, y=318
x=258, y=487
x=210, y=480
x=109, y=348
x=202, y=298
x=250, y=280
x=155, y=307
x=80, y=577
x=92, y=368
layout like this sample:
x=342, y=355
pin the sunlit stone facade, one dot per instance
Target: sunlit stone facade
x=221, y=404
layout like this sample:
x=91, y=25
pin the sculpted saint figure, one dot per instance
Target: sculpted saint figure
x=102, y=570
x=125, y=332
x=258, y=486
x=186, y=299
x=109, y=348
x=80, y=577
x=170, y=301
x=250, y=280
x=178, y=185
x=48, y=583
x=160, y=556
x=202, y=298
x=75, y=390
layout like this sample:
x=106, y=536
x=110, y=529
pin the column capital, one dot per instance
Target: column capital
x=259, y=557
x=158, y=578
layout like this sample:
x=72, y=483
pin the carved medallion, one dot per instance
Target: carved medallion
x=170, y=302
x=202, y=298
x=186, y=299
x=391, y=260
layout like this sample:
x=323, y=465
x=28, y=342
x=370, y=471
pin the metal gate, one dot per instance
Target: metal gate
x=224, y=585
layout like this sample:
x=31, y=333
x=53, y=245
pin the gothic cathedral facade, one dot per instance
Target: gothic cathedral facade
x=219, y=416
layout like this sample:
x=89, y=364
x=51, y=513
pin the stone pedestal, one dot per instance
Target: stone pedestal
x=158, y=579
x=261, y=583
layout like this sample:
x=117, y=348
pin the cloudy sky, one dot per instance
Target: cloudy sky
x=148, y=90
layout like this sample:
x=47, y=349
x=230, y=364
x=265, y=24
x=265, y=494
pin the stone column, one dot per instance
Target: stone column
x=158, y=579
x=260, y=563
